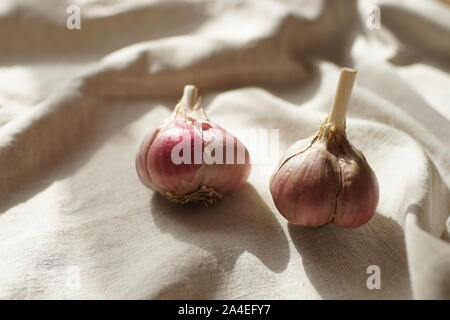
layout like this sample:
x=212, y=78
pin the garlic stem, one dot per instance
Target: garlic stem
x=341, y=98
x=190, y=96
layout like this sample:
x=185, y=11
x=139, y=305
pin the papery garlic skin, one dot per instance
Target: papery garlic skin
x=198, y=179
x=324, y=180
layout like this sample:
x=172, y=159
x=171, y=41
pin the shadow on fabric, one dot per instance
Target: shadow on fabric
x=240, y=222
x=336, y=260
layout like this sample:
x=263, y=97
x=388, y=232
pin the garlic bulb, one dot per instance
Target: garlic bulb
x=324, y=179
x=189, y=158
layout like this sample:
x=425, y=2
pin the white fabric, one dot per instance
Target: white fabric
x=76, y=222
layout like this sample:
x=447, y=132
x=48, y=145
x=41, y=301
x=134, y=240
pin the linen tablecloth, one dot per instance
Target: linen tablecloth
x=78, y=95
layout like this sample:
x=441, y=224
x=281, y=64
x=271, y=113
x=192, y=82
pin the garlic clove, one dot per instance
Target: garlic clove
x=358, y=196
x=164, y=172
x=141, y=160
x=304, y=188
x=218, y=175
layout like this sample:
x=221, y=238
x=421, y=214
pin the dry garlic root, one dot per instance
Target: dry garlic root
x=188, y=158
x=324, y=179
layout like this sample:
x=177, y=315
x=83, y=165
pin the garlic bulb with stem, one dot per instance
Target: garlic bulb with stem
x=188, y=158
x=325, y=179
